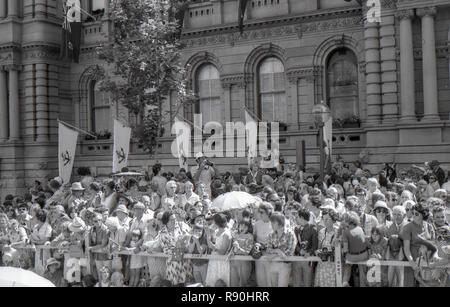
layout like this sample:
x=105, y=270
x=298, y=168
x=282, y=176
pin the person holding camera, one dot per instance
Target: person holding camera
x=203, y=172
x=307, y=239
x=327, y=240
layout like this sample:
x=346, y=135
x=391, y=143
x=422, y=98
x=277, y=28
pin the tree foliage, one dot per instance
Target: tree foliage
x=144, y=52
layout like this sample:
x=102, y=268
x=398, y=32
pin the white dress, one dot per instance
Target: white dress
x=219, y=269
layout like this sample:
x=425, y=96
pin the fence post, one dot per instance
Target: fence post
x=338, y=264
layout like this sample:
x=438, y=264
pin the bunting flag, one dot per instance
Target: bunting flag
x=241, y=14
x=122, y=135
x=71, y=30
x=66, y=151
x=328, y=142
x=182, y=142
x=251, y=131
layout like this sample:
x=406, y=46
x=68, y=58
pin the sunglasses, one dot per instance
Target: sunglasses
x=380, y=211
x=416, y=213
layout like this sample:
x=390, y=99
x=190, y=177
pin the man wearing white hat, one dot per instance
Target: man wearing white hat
x=76, y=200
x=203, y=172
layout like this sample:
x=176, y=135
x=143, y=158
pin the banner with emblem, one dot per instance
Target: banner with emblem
x=328, y=142
x=122, y=135
x=66, y=148
x=182, y=131
x=71, y=30
x=251, y=130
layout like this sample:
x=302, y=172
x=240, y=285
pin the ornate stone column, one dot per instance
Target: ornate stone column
x=388, y=57
x=13, y=8
x=14, y=104
x=430, y=91
x=373, y=69
x=3, y=8
x=408, y=96
x=42, y=102
x=3, y=106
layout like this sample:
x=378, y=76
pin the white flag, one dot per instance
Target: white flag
x=251, y=130
x=182, y=131
x=121, y=148
x=73, y=10
x=328, y=141
x=66, y=151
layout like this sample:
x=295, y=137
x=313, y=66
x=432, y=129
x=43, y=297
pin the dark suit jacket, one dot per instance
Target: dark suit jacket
x=307, y=234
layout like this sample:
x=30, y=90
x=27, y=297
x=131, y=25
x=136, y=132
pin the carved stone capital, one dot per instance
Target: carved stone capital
x=427, y=11
x=229, y=80
x=307, y=73
x=15, y=67
x=404, y=14
x=389, y=4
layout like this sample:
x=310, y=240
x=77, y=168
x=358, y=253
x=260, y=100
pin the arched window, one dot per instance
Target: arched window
x=100, y=109
x=209, y=91
x=271, y=91
x=342, y=85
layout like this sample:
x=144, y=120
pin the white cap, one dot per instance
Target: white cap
x=198, y=155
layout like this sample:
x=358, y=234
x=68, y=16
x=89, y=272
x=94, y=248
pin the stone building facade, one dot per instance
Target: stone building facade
x=387, y=83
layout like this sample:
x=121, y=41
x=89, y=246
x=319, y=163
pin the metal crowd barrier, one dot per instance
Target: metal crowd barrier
x=85, y=261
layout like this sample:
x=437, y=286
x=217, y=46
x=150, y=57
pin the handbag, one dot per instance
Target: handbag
x=257, y=250
x=116, y=263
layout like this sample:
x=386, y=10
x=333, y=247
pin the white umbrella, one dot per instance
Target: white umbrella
x=123, y=174
x=16, y=277
x=233, y=200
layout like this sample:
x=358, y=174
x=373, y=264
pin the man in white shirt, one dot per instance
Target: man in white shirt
x=203, y=172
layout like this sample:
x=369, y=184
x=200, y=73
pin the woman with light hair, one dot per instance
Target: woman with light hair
x=408, y=204
x=169, y=201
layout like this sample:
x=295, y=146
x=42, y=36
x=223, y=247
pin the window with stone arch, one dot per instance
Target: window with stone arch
x=100, y=111
x=271, y=90
x=209, y=90
x=342, y=86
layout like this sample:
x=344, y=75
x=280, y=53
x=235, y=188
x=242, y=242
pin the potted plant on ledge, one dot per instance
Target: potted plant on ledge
x=352, y=122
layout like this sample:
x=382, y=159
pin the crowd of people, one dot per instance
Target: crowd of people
x=393, y=215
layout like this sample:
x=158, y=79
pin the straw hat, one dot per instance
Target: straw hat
x=122, y=208
x=51, y=261
x=77, y=225
x=139, y=205
x=77, y=186
x=380, y=204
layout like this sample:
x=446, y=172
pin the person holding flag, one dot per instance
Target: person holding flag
x=122, y=135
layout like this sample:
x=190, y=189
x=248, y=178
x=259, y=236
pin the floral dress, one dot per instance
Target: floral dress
x=326, y=271
x=177, y=272
x=155, y=265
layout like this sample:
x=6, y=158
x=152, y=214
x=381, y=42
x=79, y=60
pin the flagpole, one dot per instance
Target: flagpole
x=76, y=128
x=252, y=114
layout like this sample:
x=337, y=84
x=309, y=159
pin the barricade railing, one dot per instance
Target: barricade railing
x=85, y=260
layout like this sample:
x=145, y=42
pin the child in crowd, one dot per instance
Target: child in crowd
x=135, y=260
x=378, y=245
x=242, y=245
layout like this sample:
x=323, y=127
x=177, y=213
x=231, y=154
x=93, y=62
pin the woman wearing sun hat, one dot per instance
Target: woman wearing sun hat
x=54, y=272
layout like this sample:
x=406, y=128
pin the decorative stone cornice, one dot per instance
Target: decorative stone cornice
x=293, y=74
x=427, y=11
x=327, y=25
x=289, y=30
x=282, y=25
x=405, y=14
x=5, y=57
x=229, y=80
x=40, y=52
